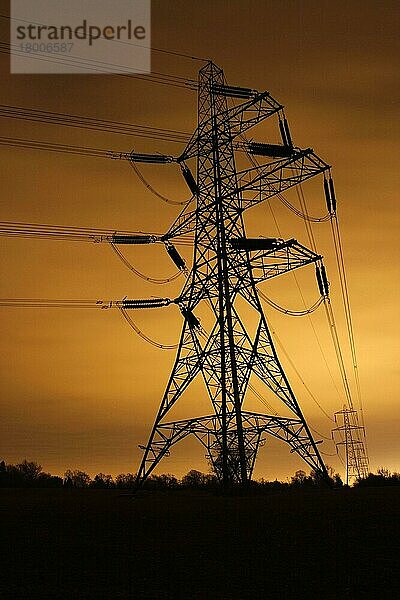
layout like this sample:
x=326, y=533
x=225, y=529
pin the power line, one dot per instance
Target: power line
x=11, y=228
x=331, y=199
x=129, y=265
x=84, y=122
x=293, y=313
x=339, y=355
x=347, y=308
x=154, y=191
x=62, y=148
x=303, y=215
x=255, y=163
x=262, y=399
x=81, y=234
x=145, y=337
x=85, y=304
x=66, y=303
x=273, y=331
x=152, y=48
x=103, y=67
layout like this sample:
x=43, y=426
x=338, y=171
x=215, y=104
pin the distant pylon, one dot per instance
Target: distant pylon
x=355, y=453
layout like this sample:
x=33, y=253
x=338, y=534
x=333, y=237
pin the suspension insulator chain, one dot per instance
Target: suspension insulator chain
x=146, y=303
x=175, y=256
x=285, y=131
x=322, y=280
x=330, y=196
x=190, y=180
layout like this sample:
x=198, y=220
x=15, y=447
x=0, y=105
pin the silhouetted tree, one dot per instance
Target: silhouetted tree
x=316, y=478
x=383, y=477
x=196, y=479
x=264, y=485
x=319, y=479
x=12, y=477
x=384, y=472
x=29, y=470
x=26, y=474
x=4, y=476
x=337, y=481
x=46, y=480
x=102, y=481
x=78, y=479
x=299, y=478
x=125, y=480
x=162, y=482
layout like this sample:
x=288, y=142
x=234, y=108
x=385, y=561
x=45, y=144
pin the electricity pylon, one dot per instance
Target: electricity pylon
x=227, y=265
x=355, y=452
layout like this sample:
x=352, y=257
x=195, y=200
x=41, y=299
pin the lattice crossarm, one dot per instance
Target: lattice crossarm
x=288, y=256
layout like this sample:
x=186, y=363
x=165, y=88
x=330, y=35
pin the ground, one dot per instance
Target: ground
x=95, y=544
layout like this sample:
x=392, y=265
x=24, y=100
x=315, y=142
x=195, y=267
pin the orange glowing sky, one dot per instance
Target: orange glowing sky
x=79, y=389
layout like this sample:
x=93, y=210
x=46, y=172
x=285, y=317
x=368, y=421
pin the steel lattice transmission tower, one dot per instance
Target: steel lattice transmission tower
x=357, y=465
x=227, y=266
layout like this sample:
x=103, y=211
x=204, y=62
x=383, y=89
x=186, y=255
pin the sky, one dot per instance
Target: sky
x=79, y=389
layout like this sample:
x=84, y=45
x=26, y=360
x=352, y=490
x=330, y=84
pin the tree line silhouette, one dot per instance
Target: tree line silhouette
x=30, y=474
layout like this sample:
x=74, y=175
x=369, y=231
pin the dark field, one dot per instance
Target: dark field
x=96, y=544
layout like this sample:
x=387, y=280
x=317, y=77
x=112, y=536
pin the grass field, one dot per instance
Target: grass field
x=85, y=544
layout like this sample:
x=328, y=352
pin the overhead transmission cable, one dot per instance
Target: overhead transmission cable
x=139, y=273
x=154, y=191
x=273, y=330
x=26, y=230
x=91, y=234
x=304, y=214
x=104, y=67
x=299, y=213
x=62, y=148
x=145, y=337
x=292, y=313
x=152, y=48
x=95, y=124
x=121, y=305
x=256, y=164
x=67, y=303
x=31, y=144
x=347, y=308
x=262, y=399
x=328, y=306
x=312, y=396
x=304, y=210
x=81, y=234
x=306, y=310
x=339, y=355
x=91, y=123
